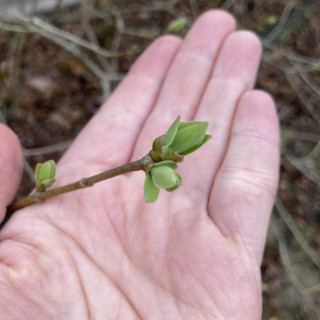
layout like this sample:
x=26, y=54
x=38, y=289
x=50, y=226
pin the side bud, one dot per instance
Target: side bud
x=161, y=175
x=45, y=175
x=164, y=177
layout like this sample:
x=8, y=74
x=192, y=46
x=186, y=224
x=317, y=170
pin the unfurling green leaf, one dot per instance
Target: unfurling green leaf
x=205, y=140
x=151, y=192
x=189, y=135
x=171, y=132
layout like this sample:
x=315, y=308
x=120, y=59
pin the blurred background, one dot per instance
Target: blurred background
x=60, y=59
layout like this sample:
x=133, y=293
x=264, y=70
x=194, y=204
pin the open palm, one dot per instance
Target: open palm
x=103, y=253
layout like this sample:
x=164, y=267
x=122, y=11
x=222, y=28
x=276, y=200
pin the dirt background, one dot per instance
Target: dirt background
x=56, y=72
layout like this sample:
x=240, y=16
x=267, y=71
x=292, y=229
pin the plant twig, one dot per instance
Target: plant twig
x=49, y=149
x=38, y=197
x=280, y=25
x=21, y=38
x=53, y=32
x=300, y=164
x=194, y=8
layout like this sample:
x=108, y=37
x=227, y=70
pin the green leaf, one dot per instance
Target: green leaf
x=184, y=125
x=205, y=140
x=163, y=177
x=151, y=192
x=179, y=179
x=188, y=136
x=171, y=132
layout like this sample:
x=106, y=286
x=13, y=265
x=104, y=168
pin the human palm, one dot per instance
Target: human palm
x=102, y=252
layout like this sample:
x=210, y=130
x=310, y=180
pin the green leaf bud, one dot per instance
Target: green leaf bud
x=163, y=177
x=272, y=20
x=45, y=174
x=177, y=25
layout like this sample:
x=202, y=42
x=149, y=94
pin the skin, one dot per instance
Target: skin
x=103, y=253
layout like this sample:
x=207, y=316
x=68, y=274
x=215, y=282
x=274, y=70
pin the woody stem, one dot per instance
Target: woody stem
x=80, y=184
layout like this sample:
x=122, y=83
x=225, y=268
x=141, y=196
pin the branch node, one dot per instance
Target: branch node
x=84, y=182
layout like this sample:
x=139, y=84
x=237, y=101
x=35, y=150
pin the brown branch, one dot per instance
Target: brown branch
x=38, y=197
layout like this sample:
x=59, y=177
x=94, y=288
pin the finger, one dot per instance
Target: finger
x=244, y=189
x=234, y=73
x=108, y=138
x=11, y=164
x=188, y=75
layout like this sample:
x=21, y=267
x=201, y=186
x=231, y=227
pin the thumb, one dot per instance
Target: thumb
x=11, y=164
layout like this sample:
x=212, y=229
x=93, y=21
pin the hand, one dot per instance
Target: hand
x=102, y=252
